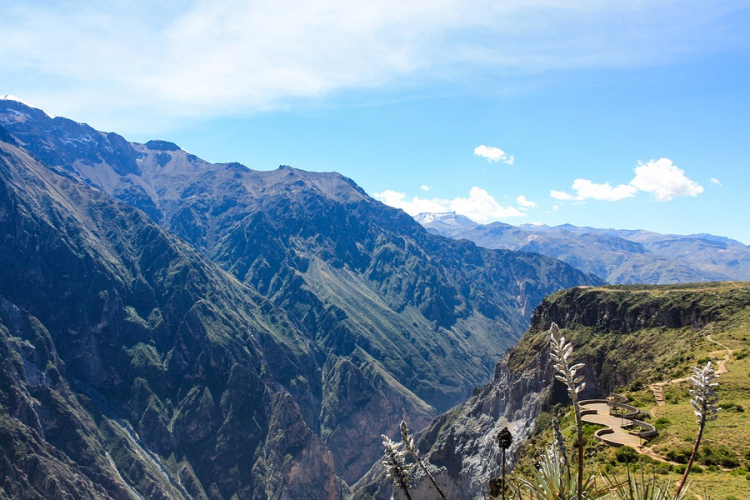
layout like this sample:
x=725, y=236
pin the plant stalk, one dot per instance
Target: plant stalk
x=692, y=459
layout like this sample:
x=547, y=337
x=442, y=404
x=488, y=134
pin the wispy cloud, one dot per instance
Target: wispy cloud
x=716, y=181
x=209, y=58
x=492, y=153
x=588, y=190
x=561, y=195
x=424, y=187
x=414, y=206
x=662, y=178
x=480, y=206
x=525, y=203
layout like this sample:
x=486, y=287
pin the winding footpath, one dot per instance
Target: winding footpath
x=658, y=388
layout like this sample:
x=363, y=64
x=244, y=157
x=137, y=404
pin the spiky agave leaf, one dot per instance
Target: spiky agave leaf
x=640, y=487
x=552, y=480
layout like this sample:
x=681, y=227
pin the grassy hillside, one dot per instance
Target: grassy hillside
x=631, y=362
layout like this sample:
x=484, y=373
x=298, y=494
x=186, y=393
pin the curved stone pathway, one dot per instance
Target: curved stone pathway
x=598, y=411
x=619, y=436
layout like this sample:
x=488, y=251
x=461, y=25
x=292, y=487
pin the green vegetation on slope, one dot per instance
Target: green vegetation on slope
x=630, y=362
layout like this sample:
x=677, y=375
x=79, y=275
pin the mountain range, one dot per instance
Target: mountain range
x=173, y=328
x=616, y=256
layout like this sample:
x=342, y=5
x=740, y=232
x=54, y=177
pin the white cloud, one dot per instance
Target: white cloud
x=661, y=178
x=560, y=195
x=494, y=154
x=208, y=58
x=664, y=180
x=588, y=190
x=525, y=203
x=480, y=206
x=716, y=181
x=416, y=206
x=424, y=187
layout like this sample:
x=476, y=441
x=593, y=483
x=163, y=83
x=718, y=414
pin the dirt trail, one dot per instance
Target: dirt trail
x=658, y=387
x=727, y=355
x=619, y=435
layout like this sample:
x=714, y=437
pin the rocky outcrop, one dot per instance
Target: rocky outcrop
x=622, y=310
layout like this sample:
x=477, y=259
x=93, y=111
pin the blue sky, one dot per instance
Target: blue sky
x=624, y=114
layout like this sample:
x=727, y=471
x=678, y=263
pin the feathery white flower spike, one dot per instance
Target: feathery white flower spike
x=395, y=464
x=704, y=396
x=560, y=352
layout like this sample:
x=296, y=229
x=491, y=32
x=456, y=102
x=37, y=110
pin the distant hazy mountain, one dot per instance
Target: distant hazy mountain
x=338, y=313
x=618, y=256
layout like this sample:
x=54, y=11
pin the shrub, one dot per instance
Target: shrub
x=733, y=407
x=679, y=455
x=722, y=456
x=661, y=469
x=542, y=423
x=626, y=455
x=695, y=469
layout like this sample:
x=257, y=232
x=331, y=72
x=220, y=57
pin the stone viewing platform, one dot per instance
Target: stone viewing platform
x=620, y=420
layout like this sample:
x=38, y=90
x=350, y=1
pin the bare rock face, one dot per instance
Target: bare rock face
x=295, y=458
x=462, y=443
x=357, y=409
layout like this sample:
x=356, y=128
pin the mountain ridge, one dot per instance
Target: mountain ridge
x=382, y=317
x=120, y=319
x=617, y=256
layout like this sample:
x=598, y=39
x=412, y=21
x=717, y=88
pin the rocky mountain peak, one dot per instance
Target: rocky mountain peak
x=287, y=295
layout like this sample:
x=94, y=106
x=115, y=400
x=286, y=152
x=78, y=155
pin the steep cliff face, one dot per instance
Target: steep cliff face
x=462, y=443
x=621, y=333
x=132, y=367
x=412, y=320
